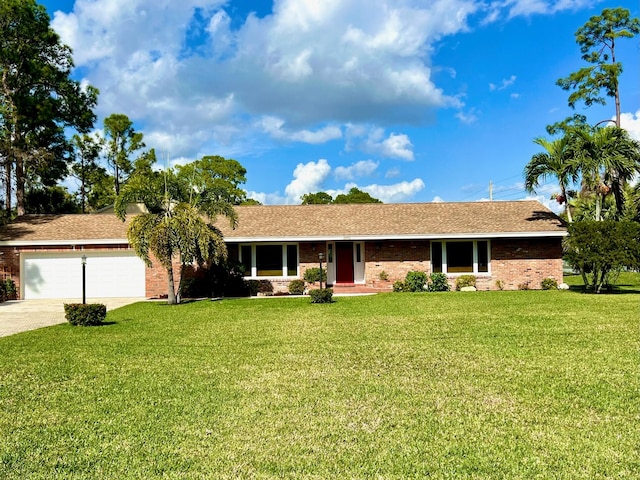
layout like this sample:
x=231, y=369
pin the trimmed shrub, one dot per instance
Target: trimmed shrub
x=399, y=286
x=312, y=275
x=549, y=284
x=465, y=281
x=438, y=282
x=416, y=281
x=321, y=295
x=296, y=287
x=88, y=314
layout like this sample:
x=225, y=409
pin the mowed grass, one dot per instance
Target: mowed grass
x=525, y=384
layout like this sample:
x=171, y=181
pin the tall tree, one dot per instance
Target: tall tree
x=86, y=151
x=597, y=40
x=179, y=227
x=38, y=99
x=556, y=161
x=121, y=141
x=219, y=177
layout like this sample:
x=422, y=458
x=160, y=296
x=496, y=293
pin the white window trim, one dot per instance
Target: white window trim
x=475, y=257
x=285, y=269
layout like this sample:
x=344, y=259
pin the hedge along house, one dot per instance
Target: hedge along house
x=506, y=245
x=515, y=243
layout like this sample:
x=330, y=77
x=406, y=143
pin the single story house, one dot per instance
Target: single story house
x=504, y=244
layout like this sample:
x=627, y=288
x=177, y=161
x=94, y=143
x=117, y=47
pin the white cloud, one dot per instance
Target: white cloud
x=437, y=199
x=631, y=123
x=274, y=127
x=506, y=83
x=392, y=173
x=307, y=177
x=467, y=118
x=398, y=192
x=396, y=145
x=362, y=168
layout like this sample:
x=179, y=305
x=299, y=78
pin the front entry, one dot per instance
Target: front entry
x=344, y=262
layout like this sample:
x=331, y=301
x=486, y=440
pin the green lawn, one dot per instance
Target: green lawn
x=524, y=384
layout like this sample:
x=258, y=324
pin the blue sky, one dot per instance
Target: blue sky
x=411, y=101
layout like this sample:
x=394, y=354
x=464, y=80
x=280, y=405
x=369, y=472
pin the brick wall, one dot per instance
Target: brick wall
x=518, y=262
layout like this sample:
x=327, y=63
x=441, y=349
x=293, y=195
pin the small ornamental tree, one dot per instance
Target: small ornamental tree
x=599, y=249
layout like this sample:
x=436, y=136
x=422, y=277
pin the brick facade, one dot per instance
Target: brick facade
x=515, y=263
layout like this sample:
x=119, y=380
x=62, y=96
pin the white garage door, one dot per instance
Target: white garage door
x=108, y=274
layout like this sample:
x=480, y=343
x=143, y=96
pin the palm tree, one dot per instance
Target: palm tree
x=178, y=225
x=556, y=161
x=608, y=159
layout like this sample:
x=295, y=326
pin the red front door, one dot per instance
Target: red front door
x=344, y=262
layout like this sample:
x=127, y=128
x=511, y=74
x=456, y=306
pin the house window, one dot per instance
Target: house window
x=436, y=257
x=469, y=256
x=269, y=260
x=292, y=260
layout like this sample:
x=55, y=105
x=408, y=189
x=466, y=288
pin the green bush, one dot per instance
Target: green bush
x=312, y=275
x=88, y=314
x=7, y=290
x=438, y=282
x=465, y=281
x=416, y=281
x=296, y=287
x=321, y=295
x=549, y=284
x=399, y=286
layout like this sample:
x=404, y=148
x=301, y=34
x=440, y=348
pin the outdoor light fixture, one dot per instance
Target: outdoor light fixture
x=84, y=279
x=321, y=258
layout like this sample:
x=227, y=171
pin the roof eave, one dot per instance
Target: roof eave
x=439, y=236
x=56, y=243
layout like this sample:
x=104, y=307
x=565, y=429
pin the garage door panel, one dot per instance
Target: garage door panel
x=108, y=274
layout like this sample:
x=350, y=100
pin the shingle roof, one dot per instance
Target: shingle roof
x=73, y=228
x=362, y=221
x=393, y=220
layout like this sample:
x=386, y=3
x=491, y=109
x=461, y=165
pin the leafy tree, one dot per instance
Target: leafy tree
x=355, y=196
x=318, y=198
x=599, y=250
x=121, y=142
x=178, y=226
x=85, y=153
x=556, y=161
x=219, y=177
x=250, y=201
x=38, y=100
x=54, y=199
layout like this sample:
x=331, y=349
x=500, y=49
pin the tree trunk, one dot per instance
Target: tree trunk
x=20, y=181
x=8, y=179
x=566, y=205
x=171, y=293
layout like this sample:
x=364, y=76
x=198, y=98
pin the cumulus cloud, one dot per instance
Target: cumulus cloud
x=363, y=168
x=307, y=177
x=398, y=192
x=373, y=141
x=437, y=199
x=631, y=123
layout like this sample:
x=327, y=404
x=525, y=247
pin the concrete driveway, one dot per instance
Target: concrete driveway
x=22, y=315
